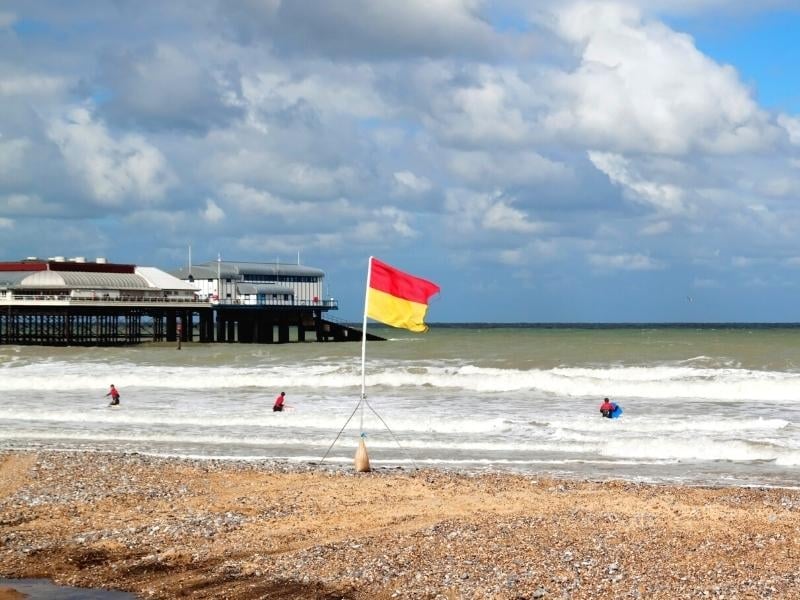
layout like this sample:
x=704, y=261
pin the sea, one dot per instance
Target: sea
x=703, y=404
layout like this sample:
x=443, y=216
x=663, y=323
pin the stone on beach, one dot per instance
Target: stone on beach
x=164, y=528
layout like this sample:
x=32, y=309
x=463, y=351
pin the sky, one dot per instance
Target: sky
x=548, y=161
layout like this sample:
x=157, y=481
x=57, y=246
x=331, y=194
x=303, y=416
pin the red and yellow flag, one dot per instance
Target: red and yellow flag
x=397, y=298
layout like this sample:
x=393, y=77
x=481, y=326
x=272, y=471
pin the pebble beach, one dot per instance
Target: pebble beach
x=188, y=528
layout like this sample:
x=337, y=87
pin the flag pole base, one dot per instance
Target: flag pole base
x=362, y=458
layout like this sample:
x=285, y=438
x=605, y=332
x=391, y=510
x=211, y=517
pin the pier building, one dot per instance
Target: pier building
x=74, y=301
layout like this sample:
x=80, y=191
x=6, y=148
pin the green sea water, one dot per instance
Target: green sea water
x=703, y=403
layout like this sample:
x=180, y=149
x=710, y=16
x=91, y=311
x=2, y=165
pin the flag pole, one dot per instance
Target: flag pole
x=362, y=458
x=364, y=343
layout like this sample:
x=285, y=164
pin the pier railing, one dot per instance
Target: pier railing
x=66, y=300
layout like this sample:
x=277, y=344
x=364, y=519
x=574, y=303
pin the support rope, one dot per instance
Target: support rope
x=399, y=445
x=363, y=399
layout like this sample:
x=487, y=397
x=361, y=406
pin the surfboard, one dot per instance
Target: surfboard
x=617, y=412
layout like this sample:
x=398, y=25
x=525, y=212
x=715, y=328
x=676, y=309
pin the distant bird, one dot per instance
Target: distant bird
x=689, y=298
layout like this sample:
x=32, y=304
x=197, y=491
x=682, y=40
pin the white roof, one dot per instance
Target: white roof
x=82, y=279
x=160, y=279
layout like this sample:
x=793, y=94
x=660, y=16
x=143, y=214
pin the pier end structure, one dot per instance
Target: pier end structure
x=268, y=302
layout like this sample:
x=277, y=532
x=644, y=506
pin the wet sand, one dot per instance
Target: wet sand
x=170, y=528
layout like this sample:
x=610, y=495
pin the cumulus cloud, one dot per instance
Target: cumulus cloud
x=643, y=87
x=165, y=88
x=114, y=169
x=489, y=105
x=6, y=223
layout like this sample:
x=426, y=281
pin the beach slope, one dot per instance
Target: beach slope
x=175, y=528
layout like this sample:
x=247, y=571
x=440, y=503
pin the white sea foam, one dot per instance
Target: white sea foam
x=659, y=382
x=704, y=411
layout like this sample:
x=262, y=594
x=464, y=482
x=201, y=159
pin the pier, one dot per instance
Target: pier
x=62, y=302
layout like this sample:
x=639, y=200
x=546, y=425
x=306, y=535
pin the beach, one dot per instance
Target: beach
x=176, y=527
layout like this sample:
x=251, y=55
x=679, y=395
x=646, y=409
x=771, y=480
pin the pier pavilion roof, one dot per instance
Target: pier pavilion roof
x=11, y=279
x=78, y=280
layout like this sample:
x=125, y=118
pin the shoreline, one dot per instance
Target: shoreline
x=207, y=528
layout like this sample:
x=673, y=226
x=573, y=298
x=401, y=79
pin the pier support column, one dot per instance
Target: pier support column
x=283, y=332
x=206, y=330
x=172, y=326
x=220, y=327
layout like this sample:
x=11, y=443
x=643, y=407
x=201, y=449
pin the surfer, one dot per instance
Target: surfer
x=278, y=406
x=114, y=395
x=607, y=407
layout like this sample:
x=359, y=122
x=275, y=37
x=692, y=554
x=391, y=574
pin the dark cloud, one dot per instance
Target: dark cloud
x=164, y=87
x=363, y=29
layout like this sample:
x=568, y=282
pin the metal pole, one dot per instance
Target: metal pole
x=364, y=343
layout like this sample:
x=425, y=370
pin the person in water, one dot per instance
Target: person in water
x=278, y=406
x=114, y=395
x=607, y=407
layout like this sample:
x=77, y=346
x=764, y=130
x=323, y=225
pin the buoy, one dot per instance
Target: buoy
x=362, y=458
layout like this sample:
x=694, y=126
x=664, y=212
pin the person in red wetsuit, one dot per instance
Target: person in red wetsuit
x=607, y=407
x=278, y=406
x=114, y=395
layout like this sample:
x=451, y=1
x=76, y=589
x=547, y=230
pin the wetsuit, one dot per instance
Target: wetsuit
x=114, y=396
x=606, y=408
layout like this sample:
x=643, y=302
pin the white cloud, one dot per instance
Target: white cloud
x=494, y=106
x=343, y=90
x=665, y=197
x=114, y=169
x=6, y=223
x=492, y=169
x=212, y=213
x=409, y=182
x=398, y=220
x=470, y=212
x=251, y=201
x=792, y=127
x=624, y=262
x=502, y=217
x=642, y=87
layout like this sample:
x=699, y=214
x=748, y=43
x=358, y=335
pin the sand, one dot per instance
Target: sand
x=172, y=528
